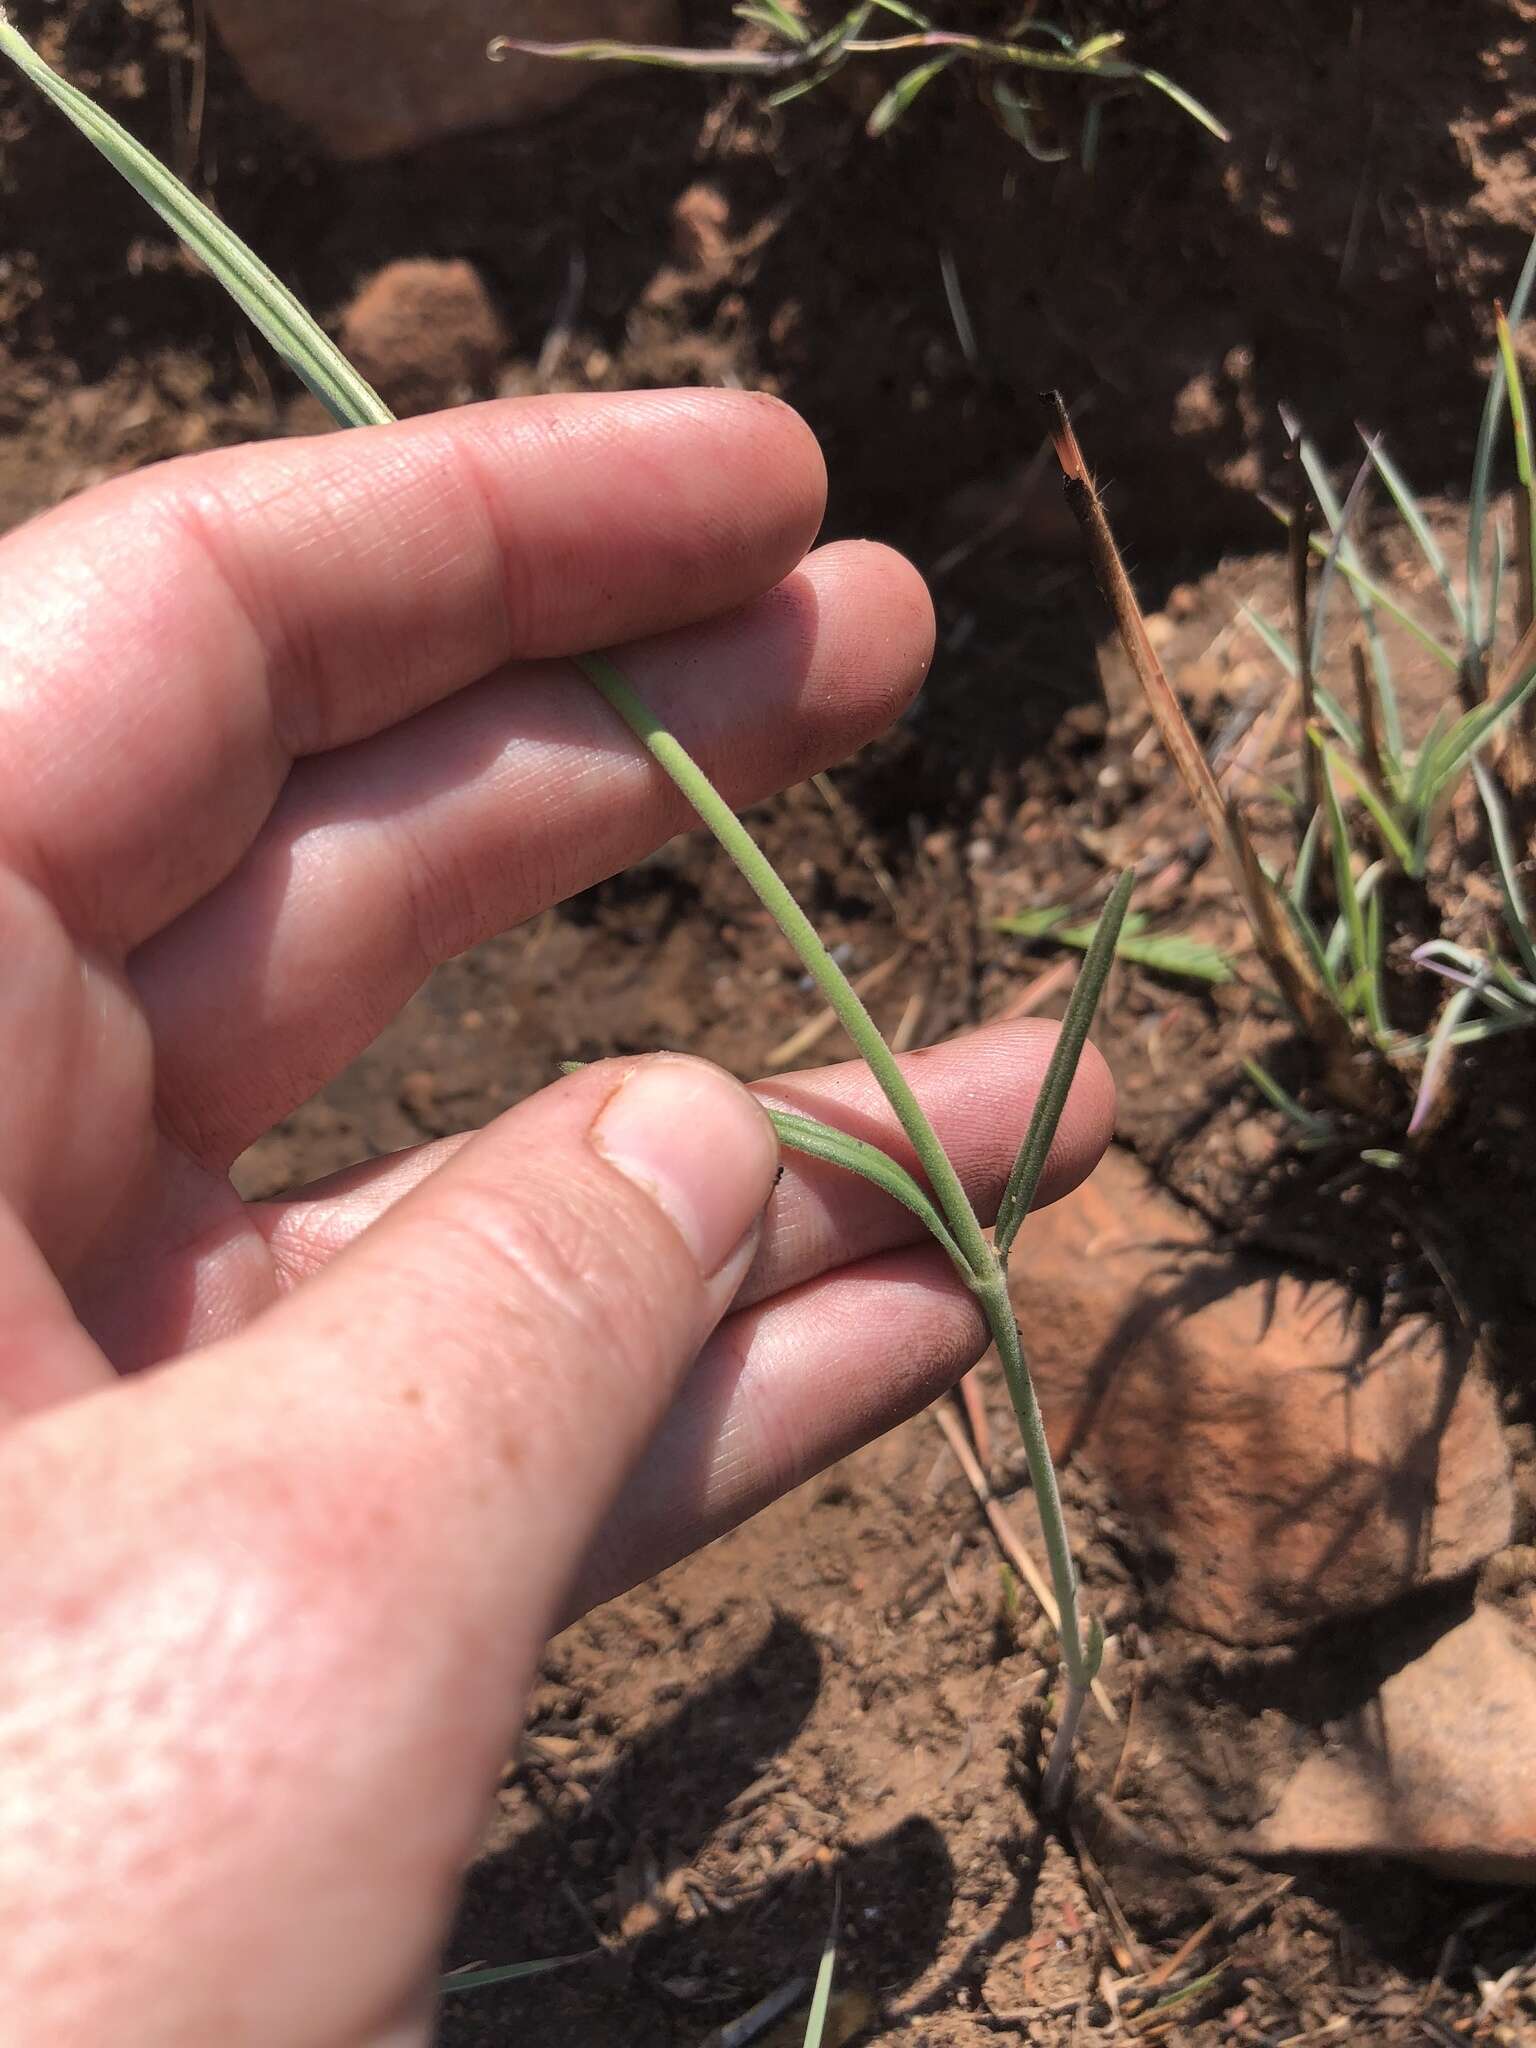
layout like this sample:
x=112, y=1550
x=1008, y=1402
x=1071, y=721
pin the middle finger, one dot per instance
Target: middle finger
x=384, y=859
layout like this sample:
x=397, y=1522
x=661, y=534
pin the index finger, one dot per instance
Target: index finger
x=196, y=628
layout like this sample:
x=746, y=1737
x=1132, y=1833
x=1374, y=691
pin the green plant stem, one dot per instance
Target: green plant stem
x=670, y=755
x=988, y=1276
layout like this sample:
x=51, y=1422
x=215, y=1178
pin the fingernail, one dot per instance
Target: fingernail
x=699, y=1145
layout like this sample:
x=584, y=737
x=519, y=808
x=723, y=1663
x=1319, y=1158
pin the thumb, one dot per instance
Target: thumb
x=322, y=1559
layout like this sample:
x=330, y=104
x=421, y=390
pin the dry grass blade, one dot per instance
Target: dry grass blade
x=1295, y=975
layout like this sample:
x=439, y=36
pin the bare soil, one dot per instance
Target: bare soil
x=848, y=1685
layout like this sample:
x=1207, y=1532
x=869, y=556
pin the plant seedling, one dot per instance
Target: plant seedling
x=942, y=1204
x=798, y=60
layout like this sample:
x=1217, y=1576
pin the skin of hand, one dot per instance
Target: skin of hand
x=292, y=1493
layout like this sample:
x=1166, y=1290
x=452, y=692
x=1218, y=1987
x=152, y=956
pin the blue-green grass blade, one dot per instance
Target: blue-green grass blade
x=261, y=295
x=1171, y=953
x=1393, y=837
x=508, y=1973
x=826, y=1969
x=771, y=14
x=1306, y=860
x=835, y=1148
x=1317, y=1129
x=1494, y=399
x=1033, y=1153
x=1342, y=555
x=1412, y=514
x=1506, y=862
x=901, y=95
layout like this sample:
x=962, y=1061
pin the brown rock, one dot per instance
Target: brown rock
x=1292, y=1469
x=1440, y=1767
x=425, y=333
x=374, y=76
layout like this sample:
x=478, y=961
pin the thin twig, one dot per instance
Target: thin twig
x=1366, y=710
x=1352, y=1078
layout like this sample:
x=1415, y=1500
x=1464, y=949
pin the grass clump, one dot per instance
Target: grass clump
x=1370, y=902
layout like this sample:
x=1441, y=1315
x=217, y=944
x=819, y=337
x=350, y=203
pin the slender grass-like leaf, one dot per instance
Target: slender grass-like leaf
x=725, y=63
x=1375, y=1010
x=1412, y=514
x=1393, y=837
x=854, y=1155
x=821, y=1997
x=1306, y=860
x=1435, y=1059
x=818, y=1140
x=771, y=14
x=1315, y=1130
x=261, y=295
x=1520, y=423
x=1474, y=727
x=1482, y=462
x=1171, y=953
x=1035, y=1150
x=901, y=95
x=508, y=1973
x=1506, y=862
x=1344, y=881
x=1343, y=555
x=1160, y=82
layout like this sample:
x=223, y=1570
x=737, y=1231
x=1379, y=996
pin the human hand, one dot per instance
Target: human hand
x=281, y=729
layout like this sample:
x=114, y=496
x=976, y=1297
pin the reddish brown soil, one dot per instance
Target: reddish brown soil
x=843, y=1685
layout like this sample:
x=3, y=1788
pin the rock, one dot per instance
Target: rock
x=1440, y=1767
x=425, y=333
x=374, y=76
x=1293, y=1470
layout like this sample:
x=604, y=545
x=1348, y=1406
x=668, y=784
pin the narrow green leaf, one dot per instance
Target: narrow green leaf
x=1473, y=728
x=1520, y=422
x=1101, y=45
x=1375, y=1009
x=1345, y=884
x=1016, y=111
x=1342, y=554
x=1402, y=496
x=773, y=14
x=1160, y=82
x=1030, y=1164
x=1456, y=1008
x=1506, y=862
x=1172, y=953
x=1306, y=860
x=1393, y=836
x=904, y=13
x=1315, y=1129
x=259, y=292
x=821, y=1997
x=727, y=63
x=1346, y=728
x=508, y=1973
x=823, y=1141
x=1367, y=589
x=901, y=95
x=1482, y=460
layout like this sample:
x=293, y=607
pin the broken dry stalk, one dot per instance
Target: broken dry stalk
x=1352, y=1076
